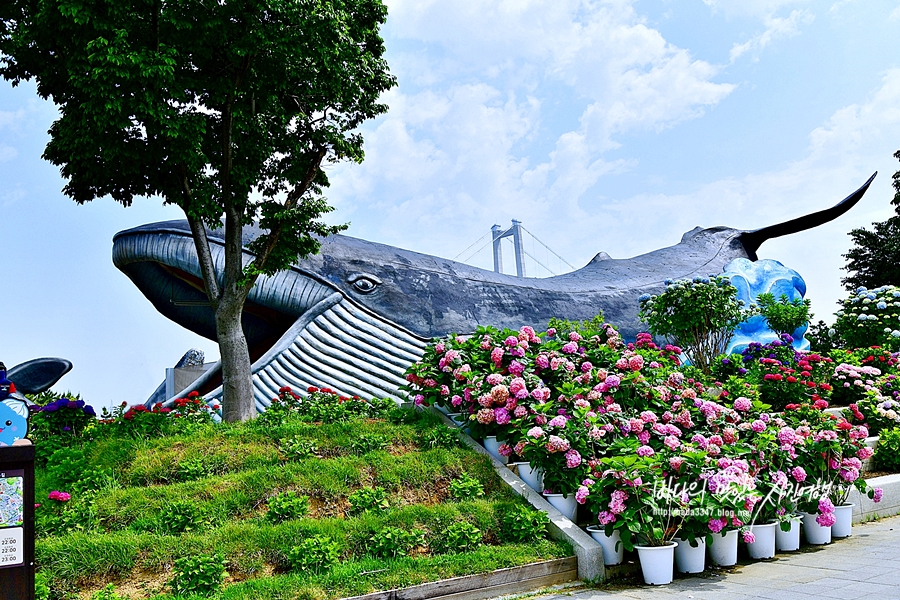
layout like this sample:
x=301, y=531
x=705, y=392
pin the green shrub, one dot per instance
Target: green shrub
x=107, y=593
x=287, y=505
x=58, y=518
x=200, y=574
x=870, y=318
x=466, y=488
x=523, y=524
x=368, y=442
x=181, y=516
x=391, y=542
x=783, y=315
x=66, y=465
x=461, y=536
x=198, y=467
x=314, y=555
x=367, y=498
x=297, y=448
x=439, y=437
x=41, y=586
x=887, y=452
x=699, y=315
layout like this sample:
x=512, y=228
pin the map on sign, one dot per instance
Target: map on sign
x=12, y=508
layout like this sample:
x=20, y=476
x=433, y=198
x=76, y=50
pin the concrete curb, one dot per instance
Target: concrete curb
x=865, y=509
x=588, y=552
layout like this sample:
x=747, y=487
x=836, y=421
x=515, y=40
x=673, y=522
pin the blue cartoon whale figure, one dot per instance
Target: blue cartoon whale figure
x=13, y=421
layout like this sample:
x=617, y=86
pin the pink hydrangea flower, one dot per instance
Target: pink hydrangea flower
x=570, y=348
x=559, y=421
x=742, y=404
x=645, y=451
x=497, y=355
x=799, y=474
x=604, y=517
x=485, y=416
x=826, y=519
x=558, y=444
x=877, y=494
x=573, y=459
x=758, y=426
x=536, y=432
x=716, y=525
x=582, y=494
x=748, y=536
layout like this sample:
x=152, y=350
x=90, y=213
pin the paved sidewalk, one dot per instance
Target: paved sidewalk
x=865, y=566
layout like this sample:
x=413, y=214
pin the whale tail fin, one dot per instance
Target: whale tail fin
x=38, y=375
x=752, y=240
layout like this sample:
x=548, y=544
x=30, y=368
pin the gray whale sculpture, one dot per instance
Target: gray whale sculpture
x=356, y=315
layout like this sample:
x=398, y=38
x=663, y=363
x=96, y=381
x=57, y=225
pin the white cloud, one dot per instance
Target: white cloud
x=895, y=14
x=776, y=28
x=750, y=8
x=510, y=112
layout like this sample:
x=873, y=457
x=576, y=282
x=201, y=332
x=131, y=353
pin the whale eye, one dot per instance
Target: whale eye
x=363, y=282
x=8, y=423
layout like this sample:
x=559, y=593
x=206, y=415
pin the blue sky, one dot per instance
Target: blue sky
x=613, y=126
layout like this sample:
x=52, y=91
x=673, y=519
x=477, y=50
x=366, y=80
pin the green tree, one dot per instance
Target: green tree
x=227, y=109
x=700, y=315
x=784, y=315
x=874, y=259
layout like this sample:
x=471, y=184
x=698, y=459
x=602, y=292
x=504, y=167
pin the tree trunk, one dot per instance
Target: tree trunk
x=237, y=387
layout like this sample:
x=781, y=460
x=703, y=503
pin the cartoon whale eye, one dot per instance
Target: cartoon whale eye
x=363, y=282
x=8, y=423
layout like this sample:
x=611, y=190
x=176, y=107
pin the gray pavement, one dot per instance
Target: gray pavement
x=865, y=566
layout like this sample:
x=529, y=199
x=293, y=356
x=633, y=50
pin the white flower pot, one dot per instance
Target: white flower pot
x=724, y=547
x=613, y=550
x=815, y=533
x=657, y=563
x=690, y=559
x=764, y=546
x=533, y=477
x=493, y=447
x=843, y=526
x=788, y=541
x=564, y=504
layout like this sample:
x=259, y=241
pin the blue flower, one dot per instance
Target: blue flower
x=881, y=305
x=643, y=297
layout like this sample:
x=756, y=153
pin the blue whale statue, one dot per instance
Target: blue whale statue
x=356, y=315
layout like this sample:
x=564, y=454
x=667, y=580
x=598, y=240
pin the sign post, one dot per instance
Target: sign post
x=17, y=521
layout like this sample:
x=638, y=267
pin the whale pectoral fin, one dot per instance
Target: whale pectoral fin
x=752, y=240
x=38, y=375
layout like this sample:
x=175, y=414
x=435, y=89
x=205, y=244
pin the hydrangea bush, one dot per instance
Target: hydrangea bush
x=870, y=317
x=649, y=447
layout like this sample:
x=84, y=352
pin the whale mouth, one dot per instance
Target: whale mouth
x=182, y=298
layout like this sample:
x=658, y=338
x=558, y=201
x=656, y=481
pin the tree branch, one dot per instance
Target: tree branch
x=201, y=242
x=293, y=198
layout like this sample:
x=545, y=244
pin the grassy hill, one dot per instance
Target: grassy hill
x=290, y=505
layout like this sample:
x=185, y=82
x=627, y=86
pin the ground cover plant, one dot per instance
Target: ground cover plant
x=160, y=503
